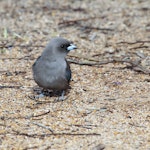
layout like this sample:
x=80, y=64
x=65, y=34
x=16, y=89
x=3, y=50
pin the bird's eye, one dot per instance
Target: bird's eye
x=62, y=46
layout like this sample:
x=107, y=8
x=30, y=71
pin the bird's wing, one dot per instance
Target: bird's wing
x=36, y=61
x=68, y=72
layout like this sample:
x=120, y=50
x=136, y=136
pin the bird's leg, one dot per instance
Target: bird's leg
x=40, y=94
x=61, y=98
x=43, y=92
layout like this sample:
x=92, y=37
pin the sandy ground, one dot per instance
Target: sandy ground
x=108, y=106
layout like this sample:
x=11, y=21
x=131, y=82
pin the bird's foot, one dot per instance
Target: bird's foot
x=41, y=95
x=62, y=97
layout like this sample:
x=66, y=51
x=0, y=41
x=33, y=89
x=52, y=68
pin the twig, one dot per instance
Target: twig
x=63, y=8
x=22, y=46
x=84, y=126
x=25, y=57
x=98, y=62
x=17, y=87
x=45, y=113
x=33, y=147
x=43, y=126
x=54, y=134
x=96, y=28
x=70, y=22
x=135, y=65
x=138, y=47
x=90, y=63
x=126, y=42
x=140, y=68
x=84, y=57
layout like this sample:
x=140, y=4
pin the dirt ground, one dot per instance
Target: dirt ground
x=108, y=106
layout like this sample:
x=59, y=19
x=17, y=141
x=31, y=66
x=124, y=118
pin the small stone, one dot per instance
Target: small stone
x=99, y=147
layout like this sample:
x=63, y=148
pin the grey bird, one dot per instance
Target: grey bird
x=51, y=70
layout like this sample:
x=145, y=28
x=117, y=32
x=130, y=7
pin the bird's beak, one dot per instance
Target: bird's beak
x=71, y=47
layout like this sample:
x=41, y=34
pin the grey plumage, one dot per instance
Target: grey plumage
x=51, y=70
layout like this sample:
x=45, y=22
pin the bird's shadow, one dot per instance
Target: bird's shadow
x=46, y=92
x=40, y=93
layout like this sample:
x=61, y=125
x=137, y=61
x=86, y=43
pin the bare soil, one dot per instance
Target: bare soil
x=108, y=106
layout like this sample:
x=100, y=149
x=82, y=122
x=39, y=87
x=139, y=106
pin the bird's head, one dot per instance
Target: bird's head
x=62, y=46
